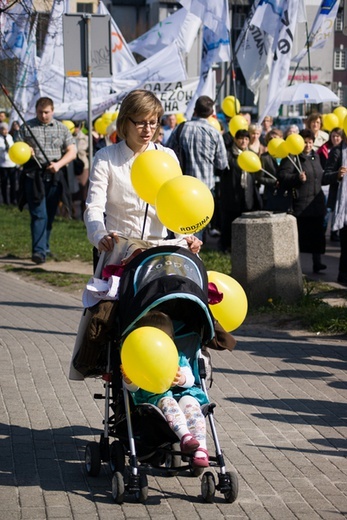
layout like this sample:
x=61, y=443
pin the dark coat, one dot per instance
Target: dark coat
x=308, y=197
x=331, y=170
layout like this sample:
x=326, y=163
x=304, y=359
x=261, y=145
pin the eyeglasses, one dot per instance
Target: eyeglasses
x=140, y=125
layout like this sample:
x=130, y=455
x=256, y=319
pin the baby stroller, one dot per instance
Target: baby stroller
x=174, y=281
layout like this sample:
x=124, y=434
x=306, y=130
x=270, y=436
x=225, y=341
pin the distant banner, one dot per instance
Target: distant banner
x=174, y=96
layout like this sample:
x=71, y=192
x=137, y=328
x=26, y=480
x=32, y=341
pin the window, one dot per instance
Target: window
x=340, y=94
x=340, y=59
x=84, y=7
x=339, y=21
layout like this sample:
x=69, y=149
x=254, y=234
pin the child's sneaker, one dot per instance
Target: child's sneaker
x=200, y=459
x=188, y=444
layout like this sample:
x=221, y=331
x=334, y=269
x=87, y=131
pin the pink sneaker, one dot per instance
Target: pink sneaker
x=198, y=461
x=188, y=444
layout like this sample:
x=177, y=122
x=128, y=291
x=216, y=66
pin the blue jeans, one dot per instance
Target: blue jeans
x=42, y=213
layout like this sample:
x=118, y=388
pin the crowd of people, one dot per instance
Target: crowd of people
x=307, y=185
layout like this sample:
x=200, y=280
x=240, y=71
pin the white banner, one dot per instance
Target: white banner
x=14, y=29
x=322, y=28
x=280, y=66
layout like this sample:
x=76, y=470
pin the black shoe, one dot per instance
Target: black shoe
x=319, y=267
x=37, y=258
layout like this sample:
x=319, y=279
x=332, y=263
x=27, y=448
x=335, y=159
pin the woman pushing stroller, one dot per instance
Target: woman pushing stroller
x=181, y=404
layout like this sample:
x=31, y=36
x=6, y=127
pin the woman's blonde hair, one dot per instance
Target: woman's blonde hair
x=138, y=103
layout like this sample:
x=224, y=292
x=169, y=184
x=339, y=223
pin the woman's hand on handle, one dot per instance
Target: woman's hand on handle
x=194, y=244
x=106, y=243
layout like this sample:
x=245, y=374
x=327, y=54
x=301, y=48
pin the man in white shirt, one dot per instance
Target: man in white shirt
x=8, y=169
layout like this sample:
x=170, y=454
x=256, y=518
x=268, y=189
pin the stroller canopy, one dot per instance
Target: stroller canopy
x=170, y=279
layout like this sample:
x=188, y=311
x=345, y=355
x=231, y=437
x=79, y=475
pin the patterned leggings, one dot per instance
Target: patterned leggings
x=184, y=417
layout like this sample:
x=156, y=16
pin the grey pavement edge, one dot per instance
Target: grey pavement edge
x=281, y=418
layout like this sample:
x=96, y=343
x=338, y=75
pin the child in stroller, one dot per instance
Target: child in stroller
x=171, y=280
x=181, y=404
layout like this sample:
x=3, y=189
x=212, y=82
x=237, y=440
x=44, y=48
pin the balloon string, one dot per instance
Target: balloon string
x=144, y=222
x=294, y=163
x=269, y=174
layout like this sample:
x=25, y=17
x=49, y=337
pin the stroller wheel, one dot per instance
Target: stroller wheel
x=117, y=457
x=142, y=494
x=208, y=487
x=173, y=461
x=118, y=488
x=231, y=495
x=93, y=459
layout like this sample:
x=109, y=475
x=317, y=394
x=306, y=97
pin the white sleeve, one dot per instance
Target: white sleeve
x=190, y=379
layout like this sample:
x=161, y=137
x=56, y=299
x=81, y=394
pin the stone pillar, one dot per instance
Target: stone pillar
x=265, y=257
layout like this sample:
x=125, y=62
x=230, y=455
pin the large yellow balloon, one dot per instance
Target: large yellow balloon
x=19, y=153
x=230, y=106
x=249, y=161
x=232, y=310
x=107, y=117
x=150, y=359
x=330, y=121
x=214, y=122
x=341, y=113
x=273, y=144
x=237, y=123
x=295, y=144
x=69, y=125
x=101, y=125
x=184, y=205
x=150, y=171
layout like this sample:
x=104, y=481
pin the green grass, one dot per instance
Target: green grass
x=69, y=242
x=68, y=239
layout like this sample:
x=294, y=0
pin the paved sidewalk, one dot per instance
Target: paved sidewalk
x=281, y=419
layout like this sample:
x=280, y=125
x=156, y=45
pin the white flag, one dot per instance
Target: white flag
x=285, y=29
x=206, y=87
x=322, y=28
x=267, y=16
x=253, y=51
x=180, y=26
x=165, y=65
x=211, y=12
x=14, y=30
x=122, y=58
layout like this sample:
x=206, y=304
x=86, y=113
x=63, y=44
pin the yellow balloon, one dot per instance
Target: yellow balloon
x=150, y=171
x=180, y=118
x=295, y=144
x=273, y=144
x=232, y=310
x=237, y=123
x=330, y=121
x=101, y=125
x=214, y=122
x=114, y=115
x=107, y=117
x=249, y=161
x=345, y=125
x=184, y=205
x=69, y=125
x=150, y=359
x=282, y=151
x=231, y=106
x=19, y=153
x=341, y=113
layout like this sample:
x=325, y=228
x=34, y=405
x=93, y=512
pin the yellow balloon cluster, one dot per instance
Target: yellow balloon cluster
x=232, y=310
x=183, y=203
x=150, y=359
x=330, y=121
x=19, y=153
x=280, y=148
x=236, y=123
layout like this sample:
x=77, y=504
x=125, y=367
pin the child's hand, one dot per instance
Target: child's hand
x=125, y=377
x=180, y=378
